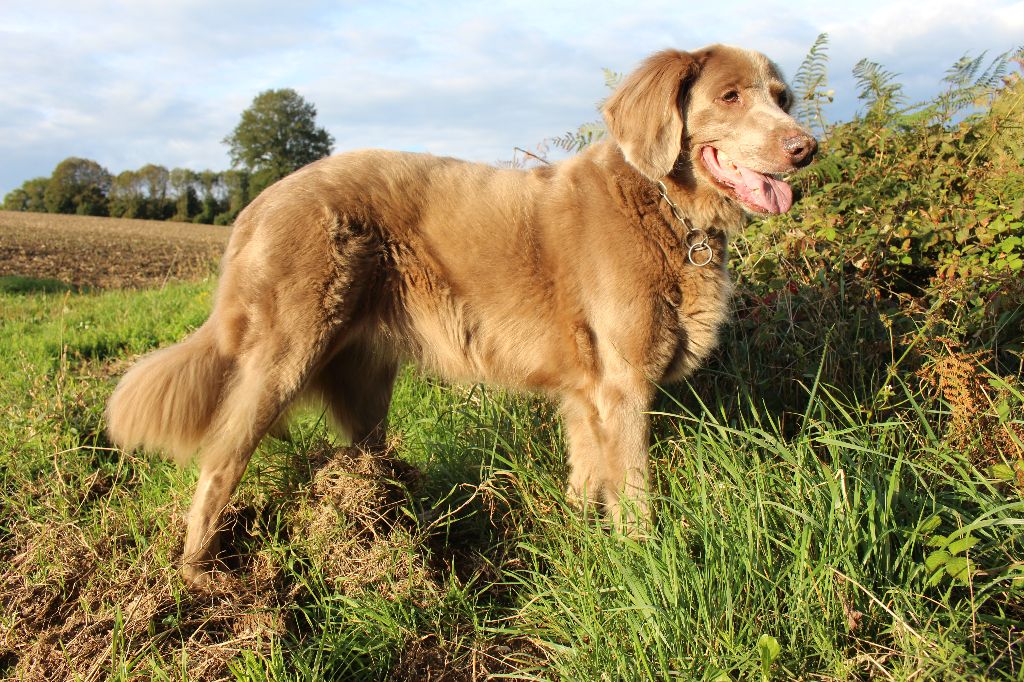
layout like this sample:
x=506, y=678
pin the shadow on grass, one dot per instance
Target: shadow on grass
x=19, y=284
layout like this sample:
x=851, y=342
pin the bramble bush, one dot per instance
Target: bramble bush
x=925, y=200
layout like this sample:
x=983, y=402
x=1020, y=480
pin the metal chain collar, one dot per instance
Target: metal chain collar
x=695, y=238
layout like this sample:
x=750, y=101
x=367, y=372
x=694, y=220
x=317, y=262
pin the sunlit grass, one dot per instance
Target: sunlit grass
x=854, y=545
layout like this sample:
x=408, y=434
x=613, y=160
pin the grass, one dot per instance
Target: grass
x=815, y=544
x=856, y=546
x=17, y=284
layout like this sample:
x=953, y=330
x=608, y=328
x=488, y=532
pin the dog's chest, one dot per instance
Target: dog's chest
x=698, y=305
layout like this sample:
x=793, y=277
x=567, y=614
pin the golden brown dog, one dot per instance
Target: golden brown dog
x=591, y=280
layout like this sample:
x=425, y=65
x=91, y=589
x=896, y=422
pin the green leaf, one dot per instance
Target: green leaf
x=962, y=545
x=768, y=647
x=936, y=560
x=1002, y=472
x=1016, y=569
x=959, y=568
x=930, y=524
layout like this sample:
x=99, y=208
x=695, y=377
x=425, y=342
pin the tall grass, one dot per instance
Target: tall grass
x=785, y=558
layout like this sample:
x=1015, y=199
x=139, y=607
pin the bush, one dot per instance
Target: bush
x=927, y=201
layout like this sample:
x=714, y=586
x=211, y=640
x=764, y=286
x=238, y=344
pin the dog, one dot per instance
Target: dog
x=591, y=281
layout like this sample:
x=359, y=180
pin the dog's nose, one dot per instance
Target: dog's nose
x=800, y=147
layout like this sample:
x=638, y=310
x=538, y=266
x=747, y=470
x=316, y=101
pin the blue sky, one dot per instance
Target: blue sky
x=158, y=81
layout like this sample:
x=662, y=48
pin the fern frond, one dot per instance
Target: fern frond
x=577, y=140
x=811, y=86
x=968, y=84
x=878, y=88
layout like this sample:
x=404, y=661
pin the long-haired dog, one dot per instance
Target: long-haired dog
x=591, y=281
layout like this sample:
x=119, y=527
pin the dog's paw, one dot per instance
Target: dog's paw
x=200, y=578
x=583, y=500
x=630, y=518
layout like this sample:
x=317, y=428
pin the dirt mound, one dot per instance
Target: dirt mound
x=357, y=530
x=93, y=606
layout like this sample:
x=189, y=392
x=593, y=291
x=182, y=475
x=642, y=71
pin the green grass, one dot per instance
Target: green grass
x=848, y=541
x=817, y=544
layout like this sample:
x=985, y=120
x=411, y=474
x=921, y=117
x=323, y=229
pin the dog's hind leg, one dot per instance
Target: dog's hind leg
x=266, y=379
x=356, y=386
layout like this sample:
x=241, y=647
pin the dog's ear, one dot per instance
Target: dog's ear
x=644, y=115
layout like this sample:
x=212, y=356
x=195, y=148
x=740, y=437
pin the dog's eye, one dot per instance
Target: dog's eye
x=731, y=97
x=783, y=99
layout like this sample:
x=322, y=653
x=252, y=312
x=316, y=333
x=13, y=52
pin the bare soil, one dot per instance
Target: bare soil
x=107, y=253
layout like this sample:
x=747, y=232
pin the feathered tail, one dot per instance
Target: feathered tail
x=166, y=401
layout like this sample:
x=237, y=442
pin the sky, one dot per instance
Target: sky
x=159, y=81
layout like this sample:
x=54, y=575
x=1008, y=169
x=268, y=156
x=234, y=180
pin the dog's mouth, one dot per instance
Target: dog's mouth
x=759, y=192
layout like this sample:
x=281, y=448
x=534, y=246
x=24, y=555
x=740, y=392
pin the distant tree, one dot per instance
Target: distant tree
x=183, y=183
x=277, y=135
x=155, y=183
x=214, y=196
x=78, y=186
x=237, y=185
x=29, y=197
x=127, y=198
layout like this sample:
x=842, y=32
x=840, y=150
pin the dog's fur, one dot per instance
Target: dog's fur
x=571, y=279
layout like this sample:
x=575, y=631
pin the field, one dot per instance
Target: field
x=83, y=251
x=807, y=529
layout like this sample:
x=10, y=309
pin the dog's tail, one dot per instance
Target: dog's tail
x=167, y=400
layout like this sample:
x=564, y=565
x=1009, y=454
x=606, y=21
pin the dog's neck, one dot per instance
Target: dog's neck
x=702, y=204
x=689, y=221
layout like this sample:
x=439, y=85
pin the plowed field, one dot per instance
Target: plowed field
x=107, y=253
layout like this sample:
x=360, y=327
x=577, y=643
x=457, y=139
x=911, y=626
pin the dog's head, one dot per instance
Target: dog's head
x=723, y=111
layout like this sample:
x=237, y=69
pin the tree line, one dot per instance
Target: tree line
x=276, y=135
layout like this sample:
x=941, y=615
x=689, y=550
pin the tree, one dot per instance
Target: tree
x=127, y=198
x=78, y=186
x=215, y=196
x=276, y=136
x=29, y=197
x=183, y=183
x=238, y=186
x=155, y=180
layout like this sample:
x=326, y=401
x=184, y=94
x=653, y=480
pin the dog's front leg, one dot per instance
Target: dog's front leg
x=607, y=429
x=625, y=433
x=586, y=457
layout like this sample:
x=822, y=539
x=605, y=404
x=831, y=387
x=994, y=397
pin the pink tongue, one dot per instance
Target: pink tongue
x=772, y=195
x=762, y=191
